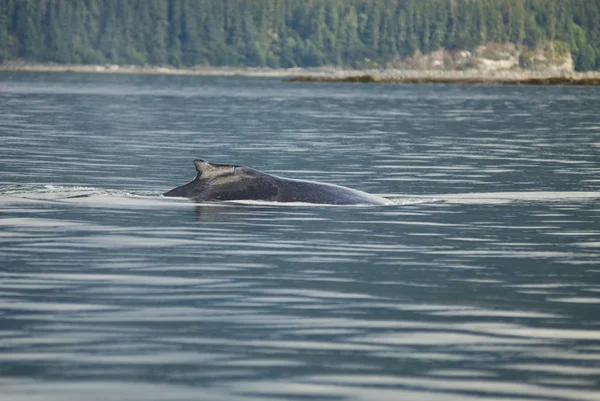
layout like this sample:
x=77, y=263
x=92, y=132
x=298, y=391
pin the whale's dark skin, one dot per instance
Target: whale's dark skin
x=225, y=182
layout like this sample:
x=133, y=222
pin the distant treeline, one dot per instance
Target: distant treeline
x=285, y=33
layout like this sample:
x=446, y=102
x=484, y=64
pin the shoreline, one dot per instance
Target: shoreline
x=334, y=74
x=465, y=80
x=155, y=70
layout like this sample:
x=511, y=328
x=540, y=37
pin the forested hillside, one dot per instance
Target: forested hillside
x=285, y=33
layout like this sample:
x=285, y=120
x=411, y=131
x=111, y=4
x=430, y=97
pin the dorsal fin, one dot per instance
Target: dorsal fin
x=202, y=165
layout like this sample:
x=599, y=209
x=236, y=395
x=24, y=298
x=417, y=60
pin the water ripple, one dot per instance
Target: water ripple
x=479, y=281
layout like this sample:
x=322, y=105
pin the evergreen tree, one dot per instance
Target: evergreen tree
x=586, y=59
x=156, y=46
x=54, y=49
x=27, y=23
x=286, y=32
x=4, y=35
x=174, y=32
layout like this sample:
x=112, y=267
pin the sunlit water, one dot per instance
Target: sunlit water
x=480, y=282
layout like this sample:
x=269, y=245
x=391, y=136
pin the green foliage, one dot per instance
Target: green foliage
x=285, y=33
x=4, y=37
x=586, y=59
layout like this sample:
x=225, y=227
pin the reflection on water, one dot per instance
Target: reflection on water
x=481, y=281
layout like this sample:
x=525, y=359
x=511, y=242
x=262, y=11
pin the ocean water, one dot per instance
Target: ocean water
x=480, y=282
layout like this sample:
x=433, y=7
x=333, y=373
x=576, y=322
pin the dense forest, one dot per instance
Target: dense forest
x=285, y=33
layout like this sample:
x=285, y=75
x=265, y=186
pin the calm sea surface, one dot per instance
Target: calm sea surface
x=480, y=282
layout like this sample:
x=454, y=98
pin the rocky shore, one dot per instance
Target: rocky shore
x=427, y=77
x=333, y=74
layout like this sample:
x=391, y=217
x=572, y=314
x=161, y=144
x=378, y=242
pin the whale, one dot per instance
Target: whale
x=228, y=182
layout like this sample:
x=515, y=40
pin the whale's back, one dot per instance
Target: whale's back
x=292, y=190
x=222, y=182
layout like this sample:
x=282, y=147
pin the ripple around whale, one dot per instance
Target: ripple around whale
x=115, y=198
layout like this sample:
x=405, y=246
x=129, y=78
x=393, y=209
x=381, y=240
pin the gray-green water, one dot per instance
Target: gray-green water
x=481, y=282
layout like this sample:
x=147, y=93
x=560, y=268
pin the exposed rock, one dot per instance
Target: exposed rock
x=551, y=57
x=496, y=56
x=462, y=59
x=442, y=59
